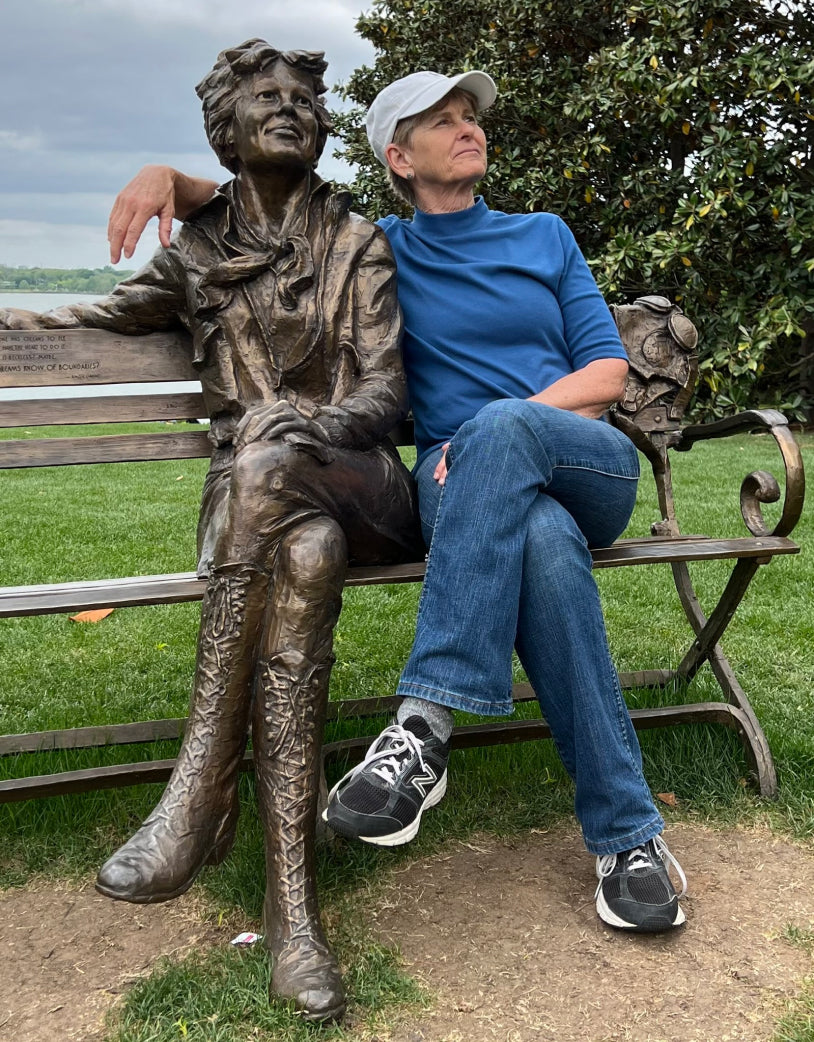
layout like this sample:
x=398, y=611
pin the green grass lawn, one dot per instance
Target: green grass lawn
x=60, y=524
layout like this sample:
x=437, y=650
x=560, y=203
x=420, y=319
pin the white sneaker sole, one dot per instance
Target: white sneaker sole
x=396, y=839
x=609, y=917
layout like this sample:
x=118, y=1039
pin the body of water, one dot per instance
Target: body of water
x=43, y=301
x=47, y=301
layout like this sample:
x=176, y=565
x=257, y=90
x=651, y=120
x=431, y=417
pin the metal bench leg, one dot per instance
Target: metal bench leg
x=705, y=648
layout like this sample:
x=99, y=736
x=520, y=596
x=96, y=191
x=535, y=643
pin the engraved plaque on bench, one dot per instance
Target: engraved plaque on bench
x=51, y=357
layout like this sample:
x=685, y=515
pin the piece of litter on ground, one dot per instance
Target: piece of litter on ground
x=94, y=615
x=247, y=938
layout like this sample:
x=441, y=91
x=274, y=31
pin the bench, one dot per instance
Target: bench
x=662, y=377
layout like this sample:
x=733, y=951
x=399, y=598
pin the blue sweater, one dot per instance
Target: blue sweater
x=495, y=306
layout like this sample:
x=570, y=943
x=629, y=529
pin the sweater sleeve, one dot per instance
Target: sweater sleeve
x=590, y=331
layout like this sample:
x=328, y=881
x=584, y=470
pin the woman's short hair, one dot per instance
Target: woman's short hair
x=403, y=133
x=220, y=89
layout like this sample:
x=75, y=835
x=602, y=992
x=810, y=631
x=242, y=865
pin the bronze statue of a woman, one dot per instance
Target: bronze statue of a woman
x=291, y=303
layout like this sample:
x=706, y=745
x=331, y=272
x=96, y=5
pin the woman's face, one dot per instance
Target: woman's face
x=447, y=149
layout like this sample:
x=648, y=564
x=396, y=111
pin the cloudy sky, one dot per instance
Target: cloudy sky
x=90, y=90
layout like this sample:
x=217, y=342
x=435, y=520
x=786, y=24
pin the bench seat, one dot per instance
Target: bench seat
x=18, y=601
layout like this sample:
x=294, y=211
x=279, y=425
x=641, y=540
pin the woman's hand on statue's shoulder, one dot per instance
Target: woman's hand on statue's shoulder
x=151, y=193
x=156, y=191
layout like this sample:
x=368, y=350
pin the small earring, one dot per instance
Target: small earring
x=409, y=176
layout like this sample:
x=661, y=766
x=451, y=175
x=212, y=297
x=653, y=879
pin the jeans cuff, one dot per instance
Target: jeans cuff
x=454, y=700
x=632, y=839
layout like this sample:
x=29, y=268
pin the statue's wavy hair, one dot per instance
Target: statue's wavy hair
x=220, y=89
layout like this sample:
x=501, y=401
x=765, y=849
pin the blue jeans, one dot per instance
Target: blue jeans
x=529, y=489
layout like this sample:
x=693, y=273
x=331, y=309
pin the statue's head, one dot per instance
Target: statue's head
x=262, y=105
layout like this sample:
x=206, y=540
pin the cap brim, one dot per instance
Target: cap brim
x=478, y=83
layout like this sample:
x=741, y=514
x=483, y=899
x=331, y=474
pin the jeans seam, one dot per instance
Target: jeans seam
x=593, y=469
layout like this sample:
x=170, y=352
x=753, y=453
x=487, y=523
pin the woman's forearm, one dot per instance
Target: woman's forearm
x=589, y=391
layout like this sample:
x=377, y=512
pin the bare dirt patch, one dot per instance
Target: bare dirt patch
x=67, y=954
x=504, y=933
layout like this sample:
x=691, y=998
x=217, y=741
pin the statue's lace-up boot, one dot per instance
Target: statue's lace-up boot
x=289, y=715
x=195, y=820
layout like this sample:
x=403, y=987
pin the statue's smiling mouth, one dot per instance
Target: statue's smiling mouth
x=288, y=130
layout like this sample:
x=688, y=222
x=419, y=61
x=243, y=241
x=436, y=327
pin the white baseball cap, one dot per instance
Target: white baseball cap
x=416, y=93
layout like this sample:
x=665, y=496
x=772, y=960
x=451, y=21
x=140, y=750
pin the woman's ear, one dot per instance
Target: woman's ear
x=399, y=161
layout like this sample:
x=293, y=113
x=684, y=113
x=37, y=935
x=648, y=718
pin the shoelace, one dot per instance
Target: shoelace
x=639, y=857
x=392, y=748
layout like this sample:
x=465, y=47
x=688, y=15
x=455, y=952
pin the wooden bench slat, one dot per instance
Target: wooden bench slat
x=171, y=728
x=465, y=737
x=107, y=448
x=110, y=408
x=91, y=737
x=186, y=586
x=103, y=593
x=669, y=550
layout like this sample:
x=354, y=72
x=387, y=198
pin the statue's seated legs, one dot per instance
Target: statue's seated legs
x=271, y=604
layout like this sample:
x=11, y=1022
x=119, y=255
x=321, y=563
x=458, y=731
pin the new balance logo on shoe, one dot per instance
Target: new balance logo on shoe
x=424, y=782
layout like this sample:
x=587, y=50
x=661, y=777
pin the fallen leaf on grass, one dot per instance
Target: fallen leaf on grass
x=92, y=616
x=669, y=798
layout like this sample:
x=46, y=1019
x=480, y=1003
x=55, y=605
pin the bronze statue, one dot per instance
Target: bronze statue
x=291, y=303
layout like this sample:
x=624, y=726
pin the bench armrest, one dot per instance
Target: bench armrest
x=760, y=486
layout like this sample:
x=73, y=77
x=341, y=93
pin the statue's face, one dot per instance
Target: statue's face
x=275, y=121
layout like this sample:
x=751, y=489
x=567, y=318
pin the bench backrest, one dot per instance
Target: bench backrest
x=659, y=339
x=94, y=358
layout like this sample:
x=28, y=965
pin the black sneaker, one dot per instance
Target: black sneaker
x=635, y=891
x=382, y=799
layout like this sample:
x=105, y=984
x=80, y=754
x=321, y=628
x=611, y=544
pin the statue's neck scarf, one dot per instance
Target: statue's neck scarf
x=296, y=260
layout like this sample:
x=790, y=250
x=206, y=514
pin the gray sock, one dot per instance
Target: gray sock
x=437, y=716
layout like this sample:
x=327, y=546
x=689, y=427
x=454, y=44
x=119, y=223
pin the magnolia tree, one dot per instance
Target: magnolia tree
x=675, y=138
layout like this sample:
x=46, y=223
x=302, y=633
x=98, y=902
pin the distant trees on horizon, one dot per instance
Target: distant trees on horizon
x=60, y=280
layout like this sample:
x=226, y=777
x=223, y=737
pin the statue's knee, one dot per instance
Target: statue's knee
x=315, y=553
x=263, y=467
